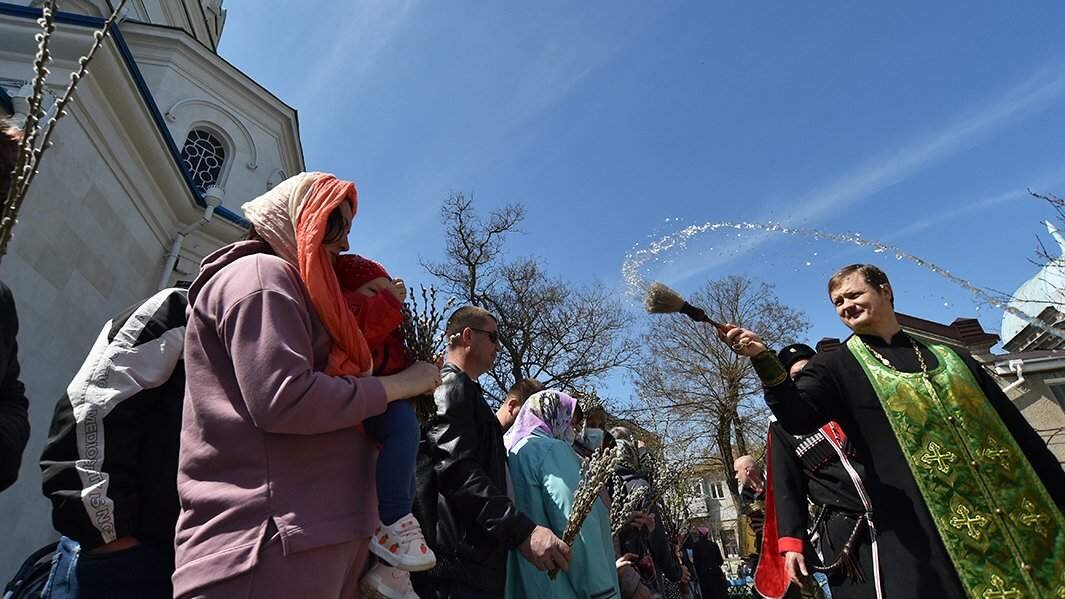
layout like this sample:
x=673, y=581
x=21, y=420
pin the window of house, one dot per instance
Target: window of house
x=204, y=156
x=1057, y=389
x=717, y=490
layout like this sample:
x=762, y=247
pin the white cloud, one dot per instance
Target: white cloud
x=1033, y=95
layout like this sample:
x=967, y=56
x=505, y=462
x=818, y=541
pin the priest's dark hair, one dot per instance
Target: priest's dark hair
x=872, y=275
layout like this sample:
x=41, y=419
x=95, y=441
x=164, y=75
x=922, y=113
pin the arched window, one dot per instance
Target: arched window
x=204, y=156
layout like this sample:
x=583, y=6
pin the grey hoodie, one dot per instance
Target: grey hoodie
x=268, y=440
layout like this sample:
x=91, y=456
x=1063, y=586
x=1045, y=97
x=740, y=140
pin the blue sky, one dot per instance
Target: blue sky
x=920, y=124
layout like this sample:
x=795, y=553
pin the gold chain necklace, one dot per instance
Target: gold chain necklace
x=920, y=360
x=886, y=362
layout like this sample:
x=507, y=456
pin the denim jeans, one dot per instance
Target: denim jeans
x=398, y=432
x=62, y=580
x=822, y=581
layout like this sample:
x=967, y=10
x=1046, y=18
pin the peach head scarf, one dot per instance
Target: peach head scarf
x=292, y=217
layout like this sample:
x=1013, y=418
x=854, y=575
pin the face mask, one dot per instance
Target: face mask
x=569, y=436
x=592, y=438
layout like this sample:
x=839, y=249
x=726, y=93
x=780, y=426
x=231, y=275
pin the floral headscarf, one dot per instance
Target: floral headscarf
x=630, y=455
x=550, y=412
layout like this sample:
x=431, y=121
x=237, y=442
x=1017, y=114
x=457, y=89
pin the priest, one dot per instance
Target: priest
x=965, y=496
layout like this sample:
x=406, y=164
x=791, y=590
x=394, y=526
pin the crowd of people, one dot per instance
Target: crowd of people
x=255, y=436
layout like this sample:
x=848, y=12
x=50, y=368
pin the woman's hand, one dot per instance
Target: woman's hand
x=626, y=560
x=742, y=341
x=418, y=379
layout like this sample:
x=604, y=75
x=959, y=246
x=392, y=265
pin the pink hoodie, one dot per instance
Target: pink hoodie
x=268, y=439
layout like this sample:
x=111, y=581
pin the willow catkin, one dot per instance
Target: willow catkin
x=596, y=474
x=28, y=161
x=423, y=336
x=631, y=502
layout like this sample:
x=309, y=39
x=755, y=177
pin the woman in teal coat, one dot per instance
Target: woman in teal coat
x=545, y=472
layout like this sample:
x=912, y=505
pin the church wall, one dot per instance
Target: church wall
x=253, y=149
x=1042, y=411
x=81, y=252
x=93, y=233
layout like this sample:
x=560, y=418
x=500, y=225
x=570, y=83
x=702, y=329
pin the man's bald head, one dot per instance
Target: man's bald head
x=748, y=472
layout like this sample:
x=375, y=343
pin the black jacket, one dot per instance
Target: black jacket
x=14, y=419
x=110, y=465
x=461, y=500
x=706, y=555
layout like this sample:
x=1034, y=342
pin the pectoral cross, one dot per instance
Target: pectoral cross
x=935, y=456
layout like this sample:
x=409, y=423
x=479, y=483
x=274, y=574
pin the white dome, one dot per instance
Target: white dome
x=1046, y=288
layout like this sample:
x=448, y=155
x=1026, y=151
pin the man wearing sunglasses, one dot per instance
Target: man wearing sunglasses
x=462, y=501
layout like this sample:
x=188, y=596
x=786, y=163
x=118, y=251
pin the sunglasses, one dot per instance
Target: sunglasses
x=492, y=335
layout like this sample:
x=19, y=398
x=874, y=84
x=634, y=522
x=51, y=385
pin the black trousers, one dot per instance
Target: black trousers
x=140, y=572
x=834, y=531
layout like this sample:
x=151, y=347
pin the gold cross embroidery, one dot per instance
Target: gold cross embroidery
x=997, y=590
x=1033, y=519
x=971, y=521
x=935, y=456
x=996, y=453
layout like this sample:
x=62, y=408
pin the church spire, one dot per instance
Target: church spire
x=1056, y=234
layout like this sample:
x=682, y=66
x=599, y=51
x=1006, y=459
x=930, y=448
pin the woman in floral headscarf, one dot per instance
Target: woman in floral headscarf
x=545, y=472
x=275, y=480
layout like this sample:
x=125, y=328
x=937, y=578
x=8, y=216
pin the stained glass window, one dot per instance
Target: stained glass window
x=204, y=156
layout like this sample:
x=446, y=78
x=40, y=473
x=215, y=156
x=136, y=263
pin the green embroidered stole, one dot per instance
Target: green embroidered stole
x=1004, y=534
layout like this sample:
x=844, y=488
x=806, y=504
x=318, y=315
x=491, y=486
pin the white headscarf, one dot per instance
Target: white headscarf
x=276, y=212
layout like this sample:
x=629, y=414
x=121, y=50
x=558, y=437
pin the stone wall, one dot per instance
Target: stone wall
x=1042, y=411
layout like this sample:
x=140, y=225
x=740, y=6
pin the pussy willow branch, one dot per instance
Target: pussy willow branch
x=27, y=163
x=83, y=69
x=36, y=100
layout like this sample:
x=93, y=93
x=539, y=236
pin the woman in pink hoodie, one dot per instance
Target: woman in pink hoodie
x=276, y=482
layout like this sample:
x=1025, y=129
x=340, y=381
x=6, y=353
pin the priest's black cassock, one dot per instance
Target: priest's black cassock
x=833, y=386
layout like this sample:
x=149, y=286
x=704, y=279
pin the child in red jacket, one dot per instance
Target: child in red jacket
x=376, y=300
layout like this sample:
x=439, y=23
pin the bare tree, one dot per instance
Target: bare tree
x=713, y=396
x=565, y=335
x=473, y=247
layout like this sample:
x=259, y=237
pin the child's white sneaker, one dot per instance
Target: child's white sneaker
x=386, y=582
x=403, y=545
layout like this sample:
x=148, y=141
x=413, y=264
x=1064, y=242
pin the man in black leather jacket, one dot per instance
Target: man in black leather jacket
x=462, y=500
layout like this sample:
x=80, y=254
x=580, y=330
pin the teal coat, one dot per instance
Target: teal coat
x=545, y=473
